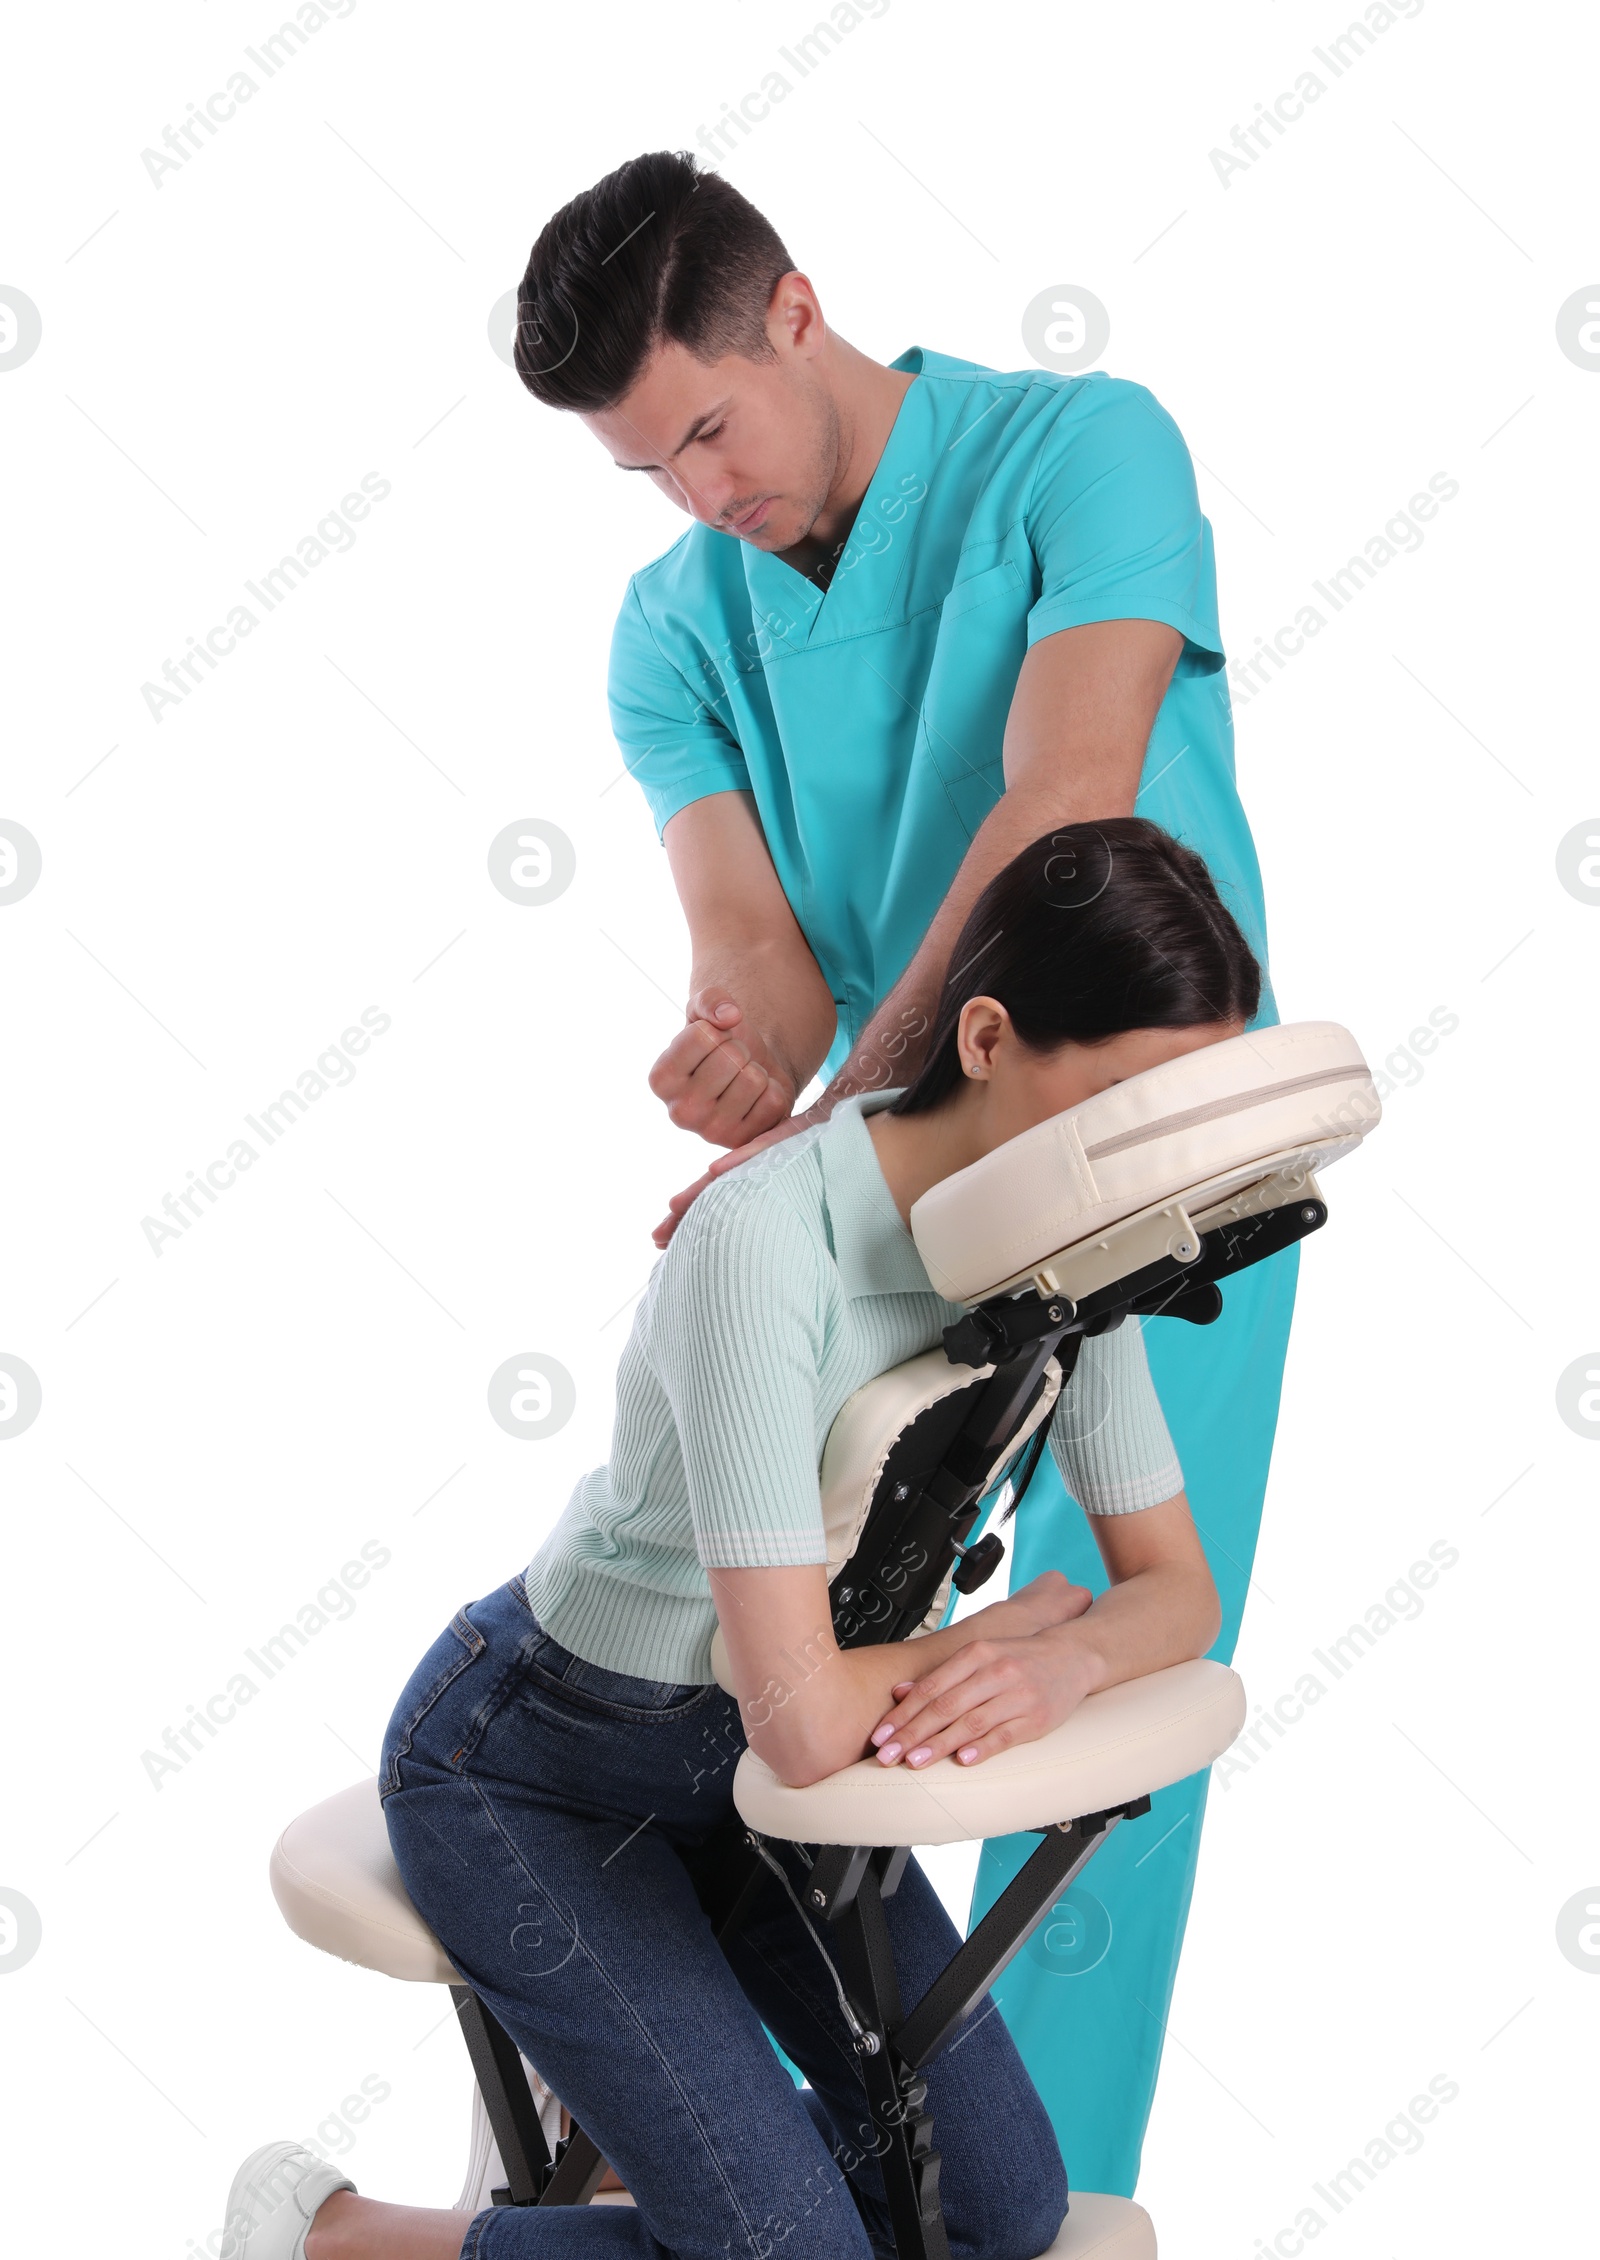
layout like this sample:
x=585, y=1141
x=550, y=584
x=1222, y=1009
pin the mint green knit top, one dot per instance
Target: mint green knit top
x=790, y=1282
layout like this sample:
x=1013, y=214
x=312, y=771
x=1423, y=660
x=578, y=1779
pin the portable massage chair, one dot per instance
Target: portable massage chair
x=1141, y=1202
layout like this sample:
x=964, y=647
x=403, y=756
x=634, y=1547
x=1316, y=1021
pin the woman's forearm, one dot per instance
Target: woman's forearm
x=1162, y=1615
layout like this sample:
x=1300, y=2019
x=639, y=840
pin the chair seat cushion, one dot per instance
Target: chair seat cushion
x=1295, y=1096
x=334, y=1877
x=1123, y=1743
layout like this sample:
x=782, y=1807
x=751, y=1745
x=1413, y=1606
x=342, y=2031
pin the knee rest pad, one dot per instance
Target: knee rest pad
x=1103, y=2228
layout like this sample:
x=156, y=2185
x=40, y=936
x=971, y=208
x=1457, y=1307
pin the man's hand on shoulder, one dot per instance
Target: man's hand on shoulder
x=680, y=1203
x=718, y=1078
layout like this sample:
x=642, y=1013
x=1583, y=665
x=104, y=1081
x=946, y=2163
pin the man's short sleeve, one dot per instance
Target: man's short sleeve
x=1113, y=517
x=1109, y=1436
x=736, y=1337
x=670, y=736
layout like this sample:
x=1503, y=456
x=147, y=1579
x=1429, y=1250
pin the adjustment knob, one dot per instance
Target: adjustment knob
x=978, y=1564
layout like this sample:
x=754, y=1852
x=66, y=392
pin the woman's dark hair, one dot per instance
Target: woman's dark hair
x=657, y=252
x=1093, y=930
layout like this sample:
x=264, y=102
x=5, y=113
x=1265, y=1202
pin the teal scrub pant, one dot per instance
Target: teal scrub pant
x=1086, y=2000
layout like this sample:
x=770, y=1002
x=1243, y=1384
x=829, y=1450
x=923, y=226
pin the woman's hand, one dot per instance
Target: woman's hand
x=987, y=1696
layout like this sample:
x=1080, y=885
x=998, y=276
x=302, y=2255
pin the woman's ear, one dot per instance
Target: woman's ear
x=982, y=1028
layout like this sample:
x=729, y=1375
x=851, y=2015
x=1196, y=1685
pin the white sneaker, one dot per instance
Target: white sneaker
x=274, y=2196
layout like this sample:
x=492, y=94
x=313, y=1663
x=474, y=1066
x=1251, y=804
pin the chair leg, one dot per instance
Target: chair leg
x=1006, y=1929
x=507, y=2098
x=845, y=1886
x=896, y=2093
x=727, y=1887
x=726, y=1874
x=485, y=2183
x=475, y=2189
x=846, y=1889
x=532, y=2177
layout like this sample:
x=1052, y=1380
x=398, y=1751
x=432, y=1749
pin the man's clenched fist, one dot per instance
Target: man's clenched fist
x=719, y=1079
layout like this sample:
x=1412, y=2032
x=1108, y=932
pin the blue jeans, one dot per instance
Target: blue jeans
x=546, y=1817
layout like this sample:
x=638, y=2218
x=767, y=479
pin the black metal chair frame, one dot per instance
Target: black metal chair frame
x=931, y=1491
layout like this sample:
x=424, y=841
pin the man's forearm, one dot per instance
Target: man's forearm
x=760, y=1015
x=891, y=1047
x=1077, y=731
x=782, y=995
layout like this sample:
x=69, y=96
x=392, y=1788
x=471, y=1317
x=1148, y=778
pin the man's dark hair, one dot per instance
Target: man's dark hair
x=1093, y=930
x=657, y=252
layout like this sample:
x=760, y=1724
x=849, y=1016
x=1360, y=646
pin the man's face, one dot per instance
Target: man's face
x=749, y=447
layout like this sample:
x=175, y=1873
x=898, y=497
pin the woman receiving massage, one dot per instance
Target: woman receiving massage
x=562, y=1755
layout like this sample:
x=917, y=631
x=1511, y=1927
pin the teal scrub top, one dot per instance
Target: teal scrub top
x=867, y=720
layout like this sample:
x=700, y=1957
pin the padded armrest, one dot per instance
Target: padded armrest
x=1123, y=1743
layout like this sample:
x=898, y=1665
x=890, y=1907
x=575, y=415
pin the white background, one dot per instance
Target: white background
x=306, y=301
